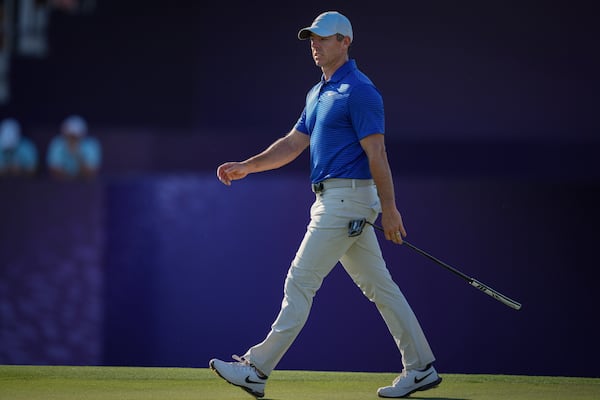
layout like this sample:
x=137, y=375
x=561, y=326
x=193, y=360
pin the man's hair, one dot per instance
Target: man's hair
x=339, y=37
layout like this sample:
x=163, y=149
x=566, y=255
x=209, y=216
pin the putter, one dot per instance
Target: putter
x=356, y=226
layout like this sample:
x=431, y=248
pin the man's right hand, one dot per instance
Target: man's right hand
x=231, y=171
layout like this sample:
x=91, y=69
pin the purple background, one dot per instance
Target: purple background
x=492, y=138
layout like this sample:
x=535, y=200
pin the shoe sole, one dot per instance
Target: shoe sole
x=256, y=394
x=419, y=389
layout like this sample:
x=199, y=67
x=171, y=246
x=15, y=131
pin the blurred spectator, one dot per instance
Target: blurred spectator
x=73, y=154
x=18, y=154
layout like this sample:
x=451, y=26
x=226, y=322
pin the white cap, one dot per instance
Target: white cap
x=327, y=24
x=74, y=125
x=10, y=133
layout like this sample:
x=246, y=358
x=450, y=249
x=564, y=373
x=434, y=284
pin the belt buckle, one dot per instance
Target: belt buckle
x=317, y=187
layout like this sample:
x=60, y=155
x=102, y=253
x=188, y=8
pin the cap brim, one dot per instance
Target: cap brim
x=306, y=32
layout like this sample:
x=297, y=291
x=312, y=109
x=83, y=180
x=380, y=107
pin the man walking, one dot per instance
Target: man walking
x=343, y=125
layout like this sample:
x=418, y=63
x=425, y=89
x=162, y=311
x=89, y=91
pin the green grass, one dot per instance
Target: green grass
x=82, y=383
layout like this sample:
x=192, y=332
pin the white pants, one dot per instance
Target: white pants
x=325, y=243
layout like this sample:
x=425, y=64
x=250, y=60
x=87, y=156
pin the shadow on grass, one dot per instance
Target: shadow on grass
x=435, y=398
x=409, y=397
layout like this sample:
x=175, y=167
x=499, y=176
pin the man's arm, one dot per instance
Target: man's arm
x=391, y=219
x=281, y=152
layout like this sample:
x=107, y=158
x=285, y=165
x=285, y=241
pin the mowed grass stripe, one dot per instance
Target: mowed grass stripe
x=66, y=383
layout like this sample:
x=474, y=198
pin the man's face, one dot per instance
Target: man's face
x=328, y=50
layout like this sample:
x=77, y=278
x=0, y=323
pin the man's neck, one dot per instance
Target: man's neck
x=329, y=70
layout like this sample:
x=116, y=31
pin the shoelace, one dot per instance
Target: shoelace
x=241, y=360
x=246, y=363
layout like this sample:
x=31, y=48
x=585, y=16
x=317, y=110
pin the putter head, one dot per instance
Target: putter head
x=356, y=226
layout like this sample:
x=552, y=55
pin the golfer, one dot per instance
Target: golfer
x=343, y=126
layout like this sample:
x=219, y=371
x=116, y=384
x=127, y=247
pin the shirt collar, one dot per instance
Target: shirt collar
x=342, y=71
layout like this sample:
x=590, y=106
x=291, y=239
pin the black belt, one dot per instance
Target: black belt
x=341, y=183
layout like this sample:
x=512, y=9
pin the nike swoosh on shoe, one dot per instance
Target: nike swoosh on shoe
x=419, y=380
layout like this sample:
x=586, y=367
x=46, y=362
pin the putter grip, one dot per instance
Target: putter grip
x=496, y=295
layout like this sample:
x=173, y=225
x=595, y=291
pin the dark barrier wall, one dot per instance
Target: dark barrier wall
x=171, y=270
x=51, y=272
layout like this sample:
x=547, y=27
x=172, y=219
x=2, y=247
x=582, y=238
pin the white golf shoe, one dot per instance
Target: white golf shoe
x=411, y=381
x=241, y=373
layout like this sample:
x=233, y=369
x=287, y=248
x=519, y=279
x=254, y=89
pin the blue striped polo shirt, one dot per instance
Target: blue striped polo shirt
x=337, y=115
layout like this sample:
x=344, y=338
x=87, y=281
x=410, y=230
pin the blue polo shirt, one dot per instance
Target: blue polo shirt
x=24, y=156
x=337, y=115
x=60, y=156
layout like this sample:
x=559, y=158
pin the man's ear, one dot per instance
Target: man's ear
x=346, y=42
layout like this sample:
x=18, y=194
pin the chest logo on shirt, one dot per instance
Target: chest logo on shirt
x=339, y=92
x=343, y=87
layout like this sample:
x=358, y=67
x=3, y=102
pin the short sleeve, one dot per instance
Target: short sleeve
x=91, y=152
x=29, y=156
x=301, y=123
